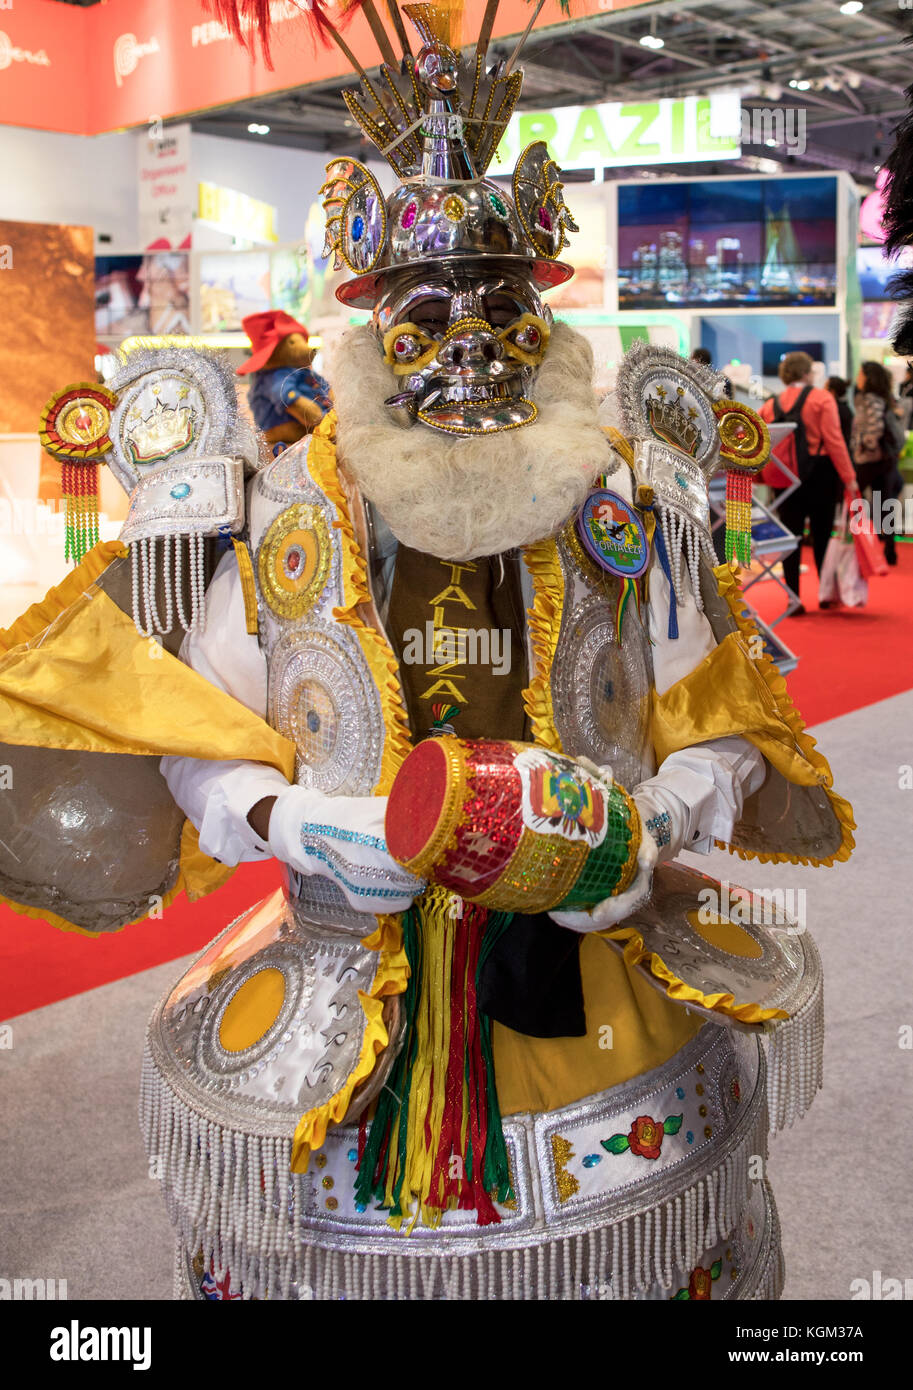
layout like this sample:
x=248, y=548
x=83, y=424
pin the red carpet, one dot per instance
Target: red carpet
x=39, y=964
x=847, y=660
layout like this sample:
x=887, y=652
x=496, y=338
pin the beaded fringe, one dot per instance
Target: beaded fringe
x=144, y=562
x=684, y=539
x=770, y=1285
x=795, y=1057
x=230, y=1196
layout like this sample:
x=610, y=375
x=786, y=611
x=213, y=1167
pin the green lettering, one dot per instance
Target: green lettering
x=589, y=139
x=705, y=143
x=646, y=113
x=677, y=127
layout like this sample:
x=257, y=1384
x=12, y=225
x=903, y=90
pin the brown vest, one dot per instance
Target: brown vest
x=458, y=630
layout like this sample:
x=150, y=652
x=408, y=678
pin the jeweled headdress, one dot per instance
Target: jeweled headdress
x=437, y=119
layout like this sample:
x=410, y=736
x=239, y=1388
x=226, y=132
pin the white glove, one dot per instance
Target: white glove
x=342, y=837
x=664, y=824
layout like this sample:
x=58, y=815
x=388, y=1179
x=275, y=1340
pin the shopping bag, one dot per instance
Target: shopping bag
x=868, y=550
x=841, y=577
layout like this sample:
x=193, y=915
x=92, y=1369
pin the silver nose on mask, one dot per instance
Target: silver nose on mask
x=472, y=351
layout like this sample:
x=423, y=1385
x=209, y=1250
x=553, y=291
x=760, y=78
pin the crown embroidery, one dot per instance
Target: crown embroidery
x=672, y=423
x=166, y=430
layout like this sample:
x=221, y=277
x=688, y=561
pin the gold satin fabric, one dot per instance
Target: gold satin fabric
x=90, y=682
x=539, y=1074
x=75, y=674
x=726, y=694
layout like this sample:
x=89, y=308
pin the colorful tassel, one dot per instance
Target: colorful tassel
x=435, y=1143
x=75, y=426
x=629, y=589
x=79, y=483
x=738, y=516
x=745, y=448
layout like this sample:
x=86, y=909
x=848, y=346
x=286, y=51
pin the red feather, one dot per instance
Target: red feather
x=249, y=20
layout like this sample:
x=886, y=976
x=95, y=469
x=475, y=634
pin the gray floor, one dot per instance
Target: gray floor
x=76, y=1202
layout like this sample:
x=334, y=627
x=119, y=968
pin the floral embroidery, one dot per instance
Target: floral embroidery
x=699, y=1284
x=646, y=1136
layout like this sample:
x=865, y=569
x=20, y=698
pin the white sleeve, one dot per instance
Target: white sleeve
x=711, y=779
x=216, y=796
x=675, y=657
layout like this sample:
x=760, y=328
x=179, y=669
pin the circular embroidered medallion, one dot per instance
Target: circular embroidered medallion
x=744, y=437
x=294, y=560
x=613, y=534
x=75, y=423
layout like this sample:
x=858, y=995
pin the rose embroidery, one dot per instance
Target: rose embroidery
x=700, y=1283
x=645, y=1137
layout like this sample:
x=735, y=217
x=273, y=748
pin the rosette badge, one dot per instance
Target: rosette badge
x=511, y=826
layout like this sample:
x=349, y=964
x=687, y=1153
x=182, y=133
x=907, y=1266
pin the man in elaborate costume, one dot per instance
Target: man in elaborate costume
x=370, y=1085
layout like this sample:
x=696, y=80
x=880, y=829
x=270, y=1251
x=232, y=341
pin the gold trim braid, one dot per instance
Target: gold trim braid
x=544, y=626
x=376, y=650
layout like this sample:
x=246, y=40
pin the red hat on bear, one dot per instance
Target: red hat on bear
x=266, y=331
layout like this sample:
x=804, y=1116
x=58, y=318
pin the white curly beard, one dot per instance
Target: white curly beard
x=460, y=498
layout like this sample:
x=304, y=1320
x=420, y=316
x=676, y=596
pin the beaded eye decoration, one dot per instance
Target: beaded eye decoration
x=539, y=200
x=356, y=230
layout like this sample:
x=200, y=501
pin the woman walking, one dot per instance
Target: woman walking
x=816, y=453
x=876, y=441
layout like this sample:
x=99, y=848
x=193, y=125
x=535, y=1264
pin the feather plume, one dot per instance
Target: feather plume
x=897, y=221
x=249, y=21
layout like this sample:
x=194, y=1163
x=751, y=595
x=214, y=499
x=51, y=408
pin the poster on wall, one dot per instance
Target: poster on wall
x=233, y=284
x=167, y=193
x=587, y=288
x=48, y=340
x=142, y=294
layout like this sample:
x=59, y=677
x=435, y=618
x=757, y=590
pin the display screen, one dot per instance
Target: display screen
x=876, y=271
x=772, y=354
x=727, y=242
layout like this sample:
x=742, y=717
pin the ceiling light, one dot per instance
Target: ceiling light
x=256, y=129
x=652, y=41
x=851, y=7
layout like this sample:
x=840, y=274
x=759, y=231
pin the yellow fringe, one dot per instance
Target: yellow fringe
x=248, y=586
x=391, y=978
x=636, y=954
x=377, y=652
x=544, y=626
x=621, y=445
x=727, y=578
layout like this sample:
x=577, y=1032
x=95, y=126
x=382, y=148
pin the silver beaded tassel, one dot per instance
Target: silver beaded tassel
x=795, y=1060
x=144, y=560
x=684, y=538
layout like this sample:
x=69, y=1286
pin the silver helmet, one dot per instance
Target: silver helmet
x=451, y=264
